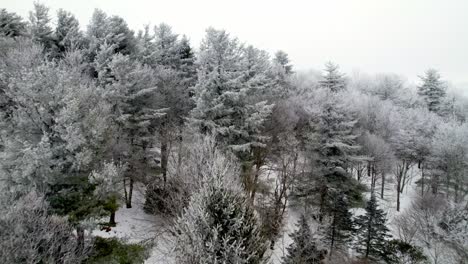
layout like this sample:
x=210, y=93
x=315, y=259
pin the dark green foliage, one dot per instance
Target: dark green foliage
x=400, y=252
x=113, y=251
x=371, y=231
x=74, y=196
x=303, y=250
x=167, y=199
x=339, y=231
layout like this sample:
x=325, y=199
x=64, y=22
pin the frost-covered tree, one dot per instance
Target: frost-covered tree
x=68, y=34
x=224, y=94
x=131, y=91
x=31, y=234
x=432, y=90
x=11, y=25
x=219, y=225
x=39, y=27
x=448, y=165
x=54, y=131
x=332, y=147
x=108, y=183
x=333, y=79
x=303, y=249
x=371, y=231
x=111, y=31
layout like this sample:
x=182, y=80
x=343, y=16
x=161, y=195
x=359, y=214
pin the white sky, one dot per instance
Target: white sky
x=400, y=36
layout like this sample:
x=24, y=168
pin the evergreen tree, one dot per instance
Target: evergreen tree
x=303, y=249
x=333, y=147
x=333, y=80
x=111, y=31
x=39, y=26
x=281, y=58
x=371, y=231
x=225, y=93
x=219, y=226
x=132, y=93
x=432, y=90
x=11, y=25
x=67, y=33
x=339, y=231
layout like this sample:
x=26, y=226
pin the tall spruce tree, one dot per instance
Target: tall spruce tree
x=225, y=92
x=303, y=249
x=371, y=231
x=338, y=232
x=333, y=80
x=11, y=25
x=67, y=33
x=39, y=27
x=432, y=90
x=333, y=146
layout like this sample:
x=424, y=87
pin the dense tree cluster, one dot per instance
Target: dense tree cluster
x=224, y=141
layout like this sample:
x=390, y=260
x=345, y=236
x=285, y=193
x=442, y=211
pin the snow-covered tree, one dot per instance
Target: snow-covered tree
x=432, y=90
x=303, y=249
x=333, y=79
x=332, y=146
x=39, y=27
x=108, y=183
x=11, y=25
x=131, y=91
x=219, y=225
x=31, y=234
x=371, y=231
x=68, y=34
x=448, y=165
x=224, y=93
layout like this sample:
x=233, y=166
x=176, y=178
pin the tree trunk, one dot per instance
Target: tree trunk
x=398, y=195
x=128, y=198
x=422, y=179
x=164, y=155
x=112, y=219
x=383, y=186
x=80, y=238
x=254, y=183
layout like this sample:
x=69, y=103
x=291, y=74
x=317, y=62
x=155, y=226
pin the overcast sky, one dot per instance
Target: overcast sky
x=400, y=36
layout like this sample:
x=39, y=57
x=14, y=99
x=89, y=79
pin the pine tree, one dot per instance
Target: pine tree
x=132, y=91
x=371, y=231
x=67, y=33
x=432, y=90
x=333, y=80
x=303, y=249
x=281, y=58
x=339, y=231
x=225, y=94
x=11, y=25
x=219, y=226
x=39, y=26
x=111, y=31
x=333, y=145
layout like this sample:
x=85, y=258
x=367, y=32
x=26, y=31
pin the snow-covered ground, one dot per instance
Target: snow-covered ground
x=134, y=225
